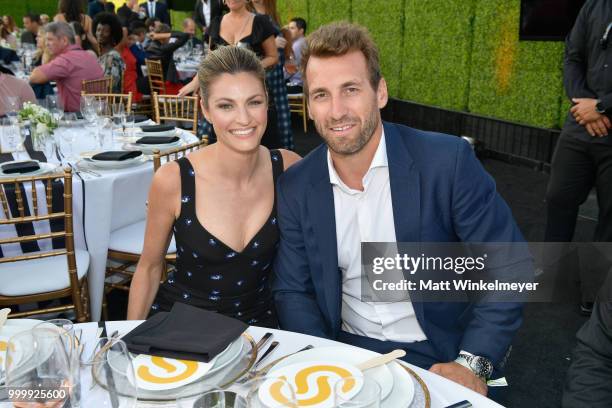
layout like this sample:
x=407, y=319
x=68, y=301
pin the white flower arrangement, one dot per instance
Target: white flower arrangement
x=41, y=121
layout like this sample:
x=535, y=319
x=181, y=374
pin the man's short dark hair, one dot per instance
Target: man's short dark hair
x=163, y=28
x=33, y=17
x=112, y=21
x=151, y=21
x=300, y=23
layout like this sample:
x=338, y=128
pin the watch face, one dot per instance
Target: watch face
x=482, y=366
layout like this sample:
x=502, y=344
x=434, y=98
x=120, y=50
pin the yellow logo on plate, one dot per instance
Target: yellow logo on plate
x=146, y=375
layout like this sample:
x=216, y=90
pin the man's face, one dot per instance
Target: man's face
x=342, y=103
x=295, y=31
x=56, y=45
x=27, y=23
x=190, y=28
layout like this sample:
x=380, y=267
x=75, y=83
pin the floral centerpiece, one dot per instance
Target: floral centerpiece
x=42, y=122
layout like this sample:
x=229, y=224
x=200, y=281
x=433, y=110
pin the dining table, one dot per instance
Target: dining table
x=440, y=393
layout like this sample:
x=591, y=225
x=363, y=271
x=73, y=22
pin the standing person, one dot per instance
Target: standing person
x=583, y=156
x=275, y=76
x=109, y=34
x=205, y=11
x=156, y=9
x=70, y=11
x=128, y=13
x=375, y=181
x=219, y=202
x=31, y=24
x=69, y=67
x=94, y=7
x=297, y=28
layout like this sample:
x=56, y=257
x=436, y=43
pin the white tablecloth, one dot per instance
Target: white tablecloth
x=443, y=392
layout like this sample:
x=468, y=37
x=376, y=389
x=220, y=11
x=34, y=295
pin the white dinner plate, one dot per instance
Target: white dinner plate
x=149, y=148
x=10, y=328
x=45, y=168
x=397, y=387
x=115, y=164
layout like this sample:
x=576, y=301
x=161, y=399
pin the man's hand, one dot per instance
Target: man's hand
x=461, y=375
x=584, y=110
x=599, y=127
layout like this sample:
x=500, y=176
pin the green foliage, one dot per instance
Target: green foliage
x=287, y=9
x=436, y=52
x=325, y=11
x=177, y=17
x=388, y=36
x=517, y=81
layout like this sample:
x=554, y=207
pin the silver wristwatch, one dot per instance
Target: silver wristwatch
x=480, y=366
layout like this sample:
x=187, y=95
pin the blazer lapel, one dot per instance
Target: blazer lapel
x=321, y=208
x=405, y=194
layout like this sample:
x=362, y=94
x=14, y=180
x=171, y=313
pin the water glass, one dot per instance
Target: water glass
x=118, y=111
x=128, y=124
x=54, y=105
x=212, y=399
x=12, y=138
x=368, y=396
x=107, y=375
x=11, y=107
x=37, y=359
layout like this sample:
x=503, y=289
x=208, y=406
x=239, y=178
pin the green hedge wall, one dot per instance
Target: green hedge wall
x=293, y=8
x=18, y=8
x=519, y=81
x=325, y=11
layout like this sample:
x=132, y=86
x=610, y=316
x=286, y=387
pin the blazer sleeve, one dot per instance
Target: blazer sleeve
x=575, y=57
x=292, y=286
x=481, y=216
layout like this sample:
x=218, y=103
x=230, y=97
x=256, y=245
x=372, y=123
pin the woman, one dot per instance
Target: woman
x=109, y=34
x=69, y=11
x=10, y=24
x=220, y=203
x=7, y=39
x=41, y=56
x=80, y=38
x=275, y=77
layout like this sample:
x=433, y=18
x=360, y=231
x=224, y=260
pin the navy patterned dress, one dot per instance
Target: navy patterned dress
x=211, y=275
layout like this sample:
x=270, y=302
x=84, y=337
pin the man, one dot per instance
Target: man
x=95, y=6
x=204, y=12
x=153, y=8
x=69, y=67
x=189, y=27
x=590, y=375
x=383, y=183
x=164, y=43
x=15, y=87
x=31, y=23
x=297, y=28
x=583, y=156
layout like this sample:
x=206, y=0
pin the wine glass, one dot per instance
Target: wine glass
x=368, y=396
x=212, y=399
x=12, y=107
x=37, y=359
x=54, y=106
x=86, y=103
x=107, y=375
x=12, y=138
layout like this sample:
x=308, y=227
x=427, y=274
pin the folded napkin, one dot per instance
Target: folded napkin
x=157, y=140
x=157, y=128
x=140, y=118
x=185, y=333
x=20, y=167
x=116, y=155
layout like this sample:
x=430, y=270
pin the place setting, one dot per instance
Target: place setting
x=149, y=138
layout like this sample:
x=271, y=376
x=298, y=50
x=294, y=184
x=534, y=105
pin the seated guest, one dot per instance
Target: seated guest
x=382, y=182
x=11, y=86
x=132, y=68
x=41, y=56
x=31, y=24
x=189, y=27
x=109, y=34
x=137, y=32
x=297, y=28
x=590, y=374
x=219, y=202
x=151, y=25
x=7, y=39
x=162, y=48
x=69, y=67
x=10, y=24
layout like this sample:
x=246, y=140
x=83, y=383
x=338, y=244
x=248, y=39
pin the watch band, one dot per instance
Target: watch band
x=480, y=366
x=599, y=107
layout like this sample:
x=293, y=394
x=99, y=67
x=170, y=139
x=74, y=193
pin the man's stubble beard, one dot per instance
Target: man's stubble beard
x=353, y=146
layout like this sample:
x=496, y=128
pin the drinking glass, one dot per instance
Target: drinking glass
x=212, y=399
x=37, y=359
x=12, y=138
x=54, y=106
x=107, y=375
x=70, y=118
x=86, y=103
x=118, y=111
x=128, y=124
x=368, y=396
x=12, y=107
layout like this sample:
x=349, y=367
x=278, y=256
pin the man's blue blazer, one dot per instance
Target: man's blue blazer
x=440, y=193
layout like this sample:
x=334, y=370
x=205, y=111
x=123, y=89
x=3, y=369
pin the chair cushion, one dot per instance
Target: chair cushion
x=40, y=275
x=130, y=239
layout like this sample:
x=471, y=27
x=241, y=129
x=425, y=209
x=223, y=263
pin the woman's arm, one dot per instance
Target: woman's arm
x=162, y=211
x=87, y=27
x=191, y=88
x=270, y=53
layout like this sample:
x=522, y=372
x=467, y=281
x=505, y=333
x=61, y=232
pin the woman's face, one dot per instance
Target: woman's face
x=104, y=35
x=238, y=110
x=235, y=5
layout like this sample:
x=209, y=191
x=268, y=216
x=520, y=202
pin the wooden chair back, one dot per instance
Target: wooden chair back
x=155, y=73
x=97, y=86
x=175, y=154
x=176, y=108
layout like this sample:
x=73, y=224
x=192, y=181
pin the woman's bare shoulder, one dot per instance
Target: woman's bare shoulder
x=289, y=157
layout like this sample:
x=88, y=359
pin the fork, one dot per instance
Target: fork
x=257, y=373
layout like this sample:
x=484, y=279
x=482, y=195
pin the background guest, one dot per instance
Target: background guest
x=94, y=7
x=31, y=24
x=10, y=24
x=80, y=38
x=11, y=86
x=69, y=67
x=297, y=28
x=128, y=13
x=109, y=34
x=189, y=27
x=44, y=19
x=132, y=67
x=205, y=11
x=69, y=11
x=6, y=38
x=156, y=9
x=161, y=48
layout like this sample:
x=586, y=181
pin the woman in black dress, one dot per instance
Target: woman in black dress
x=219, y=202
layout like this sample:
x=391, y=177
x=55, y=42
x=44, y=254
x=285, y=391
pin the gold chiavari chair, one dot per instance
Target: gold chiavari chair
x=45, y=274
x=155, y=73
x=176, y=108
x=98, y=86
x=112, y=99
x=126, y=243
x=297, y=104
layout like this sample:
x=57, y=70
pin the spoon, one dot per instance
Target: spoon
x=3, y=316
x=380, y=360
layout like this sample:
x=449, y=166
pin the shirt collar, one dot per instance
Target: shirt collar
x=379, y=160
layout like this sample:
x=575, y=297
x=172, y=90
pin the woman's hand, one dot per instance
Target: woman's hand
x=191, y=88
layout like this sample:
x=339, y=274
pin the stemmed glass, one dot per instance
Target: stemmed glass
x=12, y=138
x=101, y=108
x=54, y=106
x=12, y=107
x=368, y=396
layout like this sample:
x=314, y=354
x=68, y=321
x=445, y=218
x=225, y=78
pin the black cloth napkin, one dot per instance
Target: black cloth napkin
x=157, y=128
x=116, y=155
x=157, y=139
x=185, y=333
x=140, y=118
x=20, y=167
